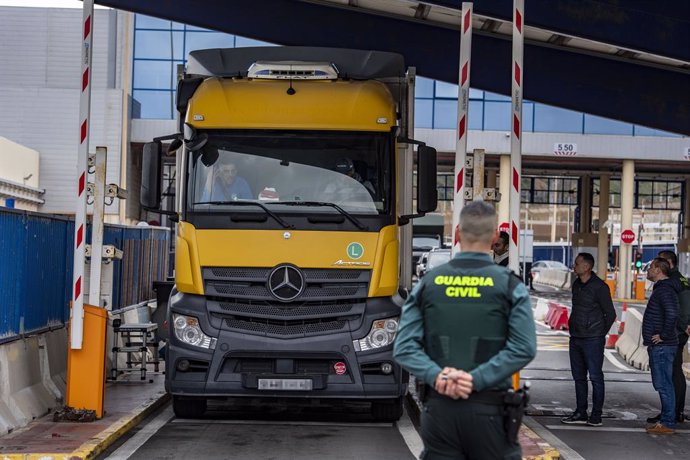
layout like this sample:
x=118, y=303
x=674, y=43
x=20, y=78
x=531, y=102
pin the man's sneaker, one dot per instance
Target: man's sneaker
x=575, y=419
x=658, y=428
x=654, y=419
x=681, y=418
x=594, y=421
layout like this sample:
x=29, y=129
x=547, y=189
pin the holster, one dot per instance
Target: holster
x=514, y=404
x=423, y=390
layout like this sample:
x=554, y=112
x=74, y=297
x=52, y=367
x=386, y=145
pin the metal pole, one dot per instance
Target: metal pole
x=627, y=191
x=603, y=246
x=463, y=106
x=405, y=171
x=516, y=133
x=478, y=173
x=77, y=314
x=97, y=226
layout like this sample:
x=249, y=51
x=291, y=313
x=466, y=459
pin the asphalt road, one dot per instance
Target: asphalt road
x=234, y=431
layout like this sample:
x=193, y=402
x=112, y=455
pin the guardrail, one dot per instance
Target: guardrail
x=36, y=269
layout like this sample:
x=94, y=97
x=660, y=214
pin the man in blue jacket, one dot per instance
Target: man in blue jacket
x=683, y=330
x=660, y=337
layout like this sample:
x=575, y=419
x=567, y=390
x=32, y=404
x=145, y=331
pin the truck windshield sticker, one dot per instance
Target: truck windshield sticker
x=355, y=251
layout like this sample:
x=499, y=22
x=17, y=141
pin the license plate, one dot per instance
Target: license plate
x=285, y=384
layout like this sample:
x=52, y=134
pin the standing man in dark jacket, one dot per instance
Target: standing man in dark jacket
x=590, y=320
x=683, y=329
x=660, y=337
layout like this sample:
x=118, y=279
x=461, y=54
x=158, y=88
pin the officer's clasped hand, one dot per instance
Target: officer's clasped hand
x=454, y=383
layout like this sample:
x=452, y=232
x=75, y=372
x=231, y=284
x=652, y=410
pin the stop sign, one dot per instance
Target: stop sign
x=504, y=227
x=628, y=236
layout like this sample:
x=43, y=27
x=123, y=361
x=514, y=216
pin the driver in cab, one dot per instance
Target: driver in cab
x=225, y=185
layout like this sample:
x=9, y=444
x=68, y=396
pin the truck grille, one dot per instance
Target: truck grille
x=286, y=328
x=252, y=283
x=331, y=300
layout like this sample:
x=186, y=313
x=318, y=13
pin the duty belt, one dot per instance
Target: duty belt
x=495, y=398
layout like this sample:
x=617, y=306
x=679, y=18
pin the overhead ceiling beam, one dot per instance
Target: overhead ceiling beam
x=656, y=27
x=592, y=84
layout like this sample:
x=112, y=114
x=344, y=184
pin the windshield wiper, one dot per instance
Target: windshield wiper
x=249, y=203
x=349, y=216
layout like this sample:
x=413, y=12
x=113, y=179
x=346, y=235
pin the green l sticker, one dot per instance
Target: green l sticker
x=355, y=250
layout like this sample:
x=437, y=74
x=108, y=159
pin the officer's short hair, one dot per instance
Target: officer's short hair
x=587, y=258
x=478, y=222
x=662, y=264
x=503, y=236
x=670, y=256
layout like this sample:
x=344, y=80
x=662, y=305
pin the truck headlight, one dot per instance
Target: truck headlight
x=382, y=334
x=187, y=330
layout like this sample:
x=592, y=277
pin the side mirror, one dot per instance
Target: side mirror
x=427, y=195
x=150, y=196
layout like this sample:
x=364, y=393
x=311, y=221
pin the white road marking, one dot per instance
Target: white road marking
x=552, y=439
x=612, y=359
x=603, y=428
x=127, y=449
x=409, y=433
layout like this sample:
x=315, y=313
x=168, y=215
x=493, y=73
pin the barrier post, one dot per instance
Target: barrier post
x=611, y=282
x=640, y=286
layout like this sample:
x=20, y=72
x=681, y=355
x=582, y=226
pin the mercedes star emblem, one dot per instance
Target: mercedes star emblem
x=286, y=282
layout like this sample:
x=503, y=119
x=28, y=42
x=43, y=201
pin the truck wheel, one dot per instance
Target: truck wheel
x=189, y=407
x=389, y=410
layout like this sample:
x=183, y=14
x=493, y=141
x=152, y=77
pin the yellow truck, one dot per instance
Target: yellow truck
x=291, y=174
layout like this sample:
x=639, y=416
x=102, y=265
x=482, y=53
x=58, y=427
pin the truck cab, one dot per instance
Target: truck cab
x=287, y=263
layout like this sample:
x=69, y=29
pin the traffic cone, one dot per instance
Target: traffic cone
x=612, y=338
x=621, y=328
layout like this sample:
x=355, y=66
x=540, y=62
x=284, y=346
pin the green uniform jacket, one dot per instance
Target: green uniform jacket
x=494, y=374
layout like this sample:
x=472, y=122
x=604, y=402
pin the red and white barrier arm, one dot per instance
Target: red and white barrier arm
x=516, y=133
x=463, y=113
x=77, y=313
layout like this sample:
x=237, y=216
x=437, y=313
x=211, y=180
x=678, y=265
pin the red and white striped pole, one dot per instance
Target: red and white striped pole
x=516, y=133
x=463, y=113
x=77, y=314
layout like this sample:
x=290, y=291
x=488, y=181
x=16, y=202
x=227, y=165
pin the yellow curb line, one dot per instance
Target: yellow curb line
x=99, y=443
x=550, y=453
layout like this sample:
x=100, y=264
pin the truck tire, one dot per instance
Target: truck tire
x=388, y=410
x=189, y=407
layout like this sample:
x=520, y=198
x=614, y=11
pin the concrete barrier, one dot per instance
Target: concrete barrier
x=640, y=359
x=630, y=341
x=558, y=279
x=541, y=309
x=30, y=384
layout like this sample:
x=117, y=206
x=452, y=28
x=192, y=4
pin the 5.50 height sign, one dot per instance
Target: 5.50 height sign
x=565, y=149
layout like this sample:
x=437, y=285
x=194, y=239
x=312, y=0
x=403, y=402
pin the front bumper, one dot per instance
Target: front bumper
x=240, y=359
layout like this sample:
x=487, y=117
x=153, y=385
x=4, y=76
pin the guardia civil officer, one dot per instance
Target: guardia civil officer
x=465, y=329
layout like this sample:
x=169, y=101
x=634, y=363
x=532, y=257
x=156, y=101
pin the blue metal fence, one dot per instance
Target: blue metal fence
x=36, y=257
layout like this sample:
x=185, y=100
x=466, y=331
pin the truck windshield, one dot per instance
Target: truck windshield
x=349, y=169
